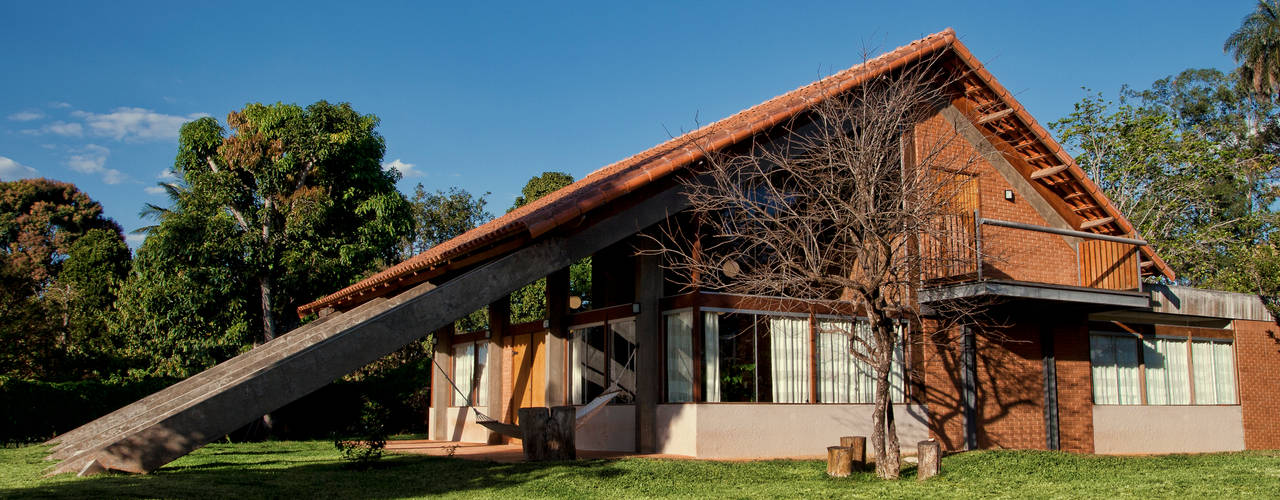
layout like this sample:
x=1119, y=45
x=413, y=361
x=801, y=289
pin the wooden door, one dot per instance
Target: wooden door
x=529, y=371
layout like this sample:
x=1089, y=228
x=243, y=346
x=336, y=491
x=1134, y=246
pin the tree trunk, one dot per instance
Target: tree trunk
x=884, y=435
x=268, y=316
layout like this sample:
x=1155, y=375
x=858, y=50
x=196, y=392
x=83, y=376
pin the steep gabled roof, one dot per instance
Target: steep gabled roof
x=1002, y=118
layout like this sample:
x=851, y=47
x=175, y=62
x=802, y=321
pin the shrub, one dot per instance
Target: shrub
x=367, y=437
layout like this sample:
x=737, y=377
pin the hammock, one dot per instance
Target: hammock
x=584, y=413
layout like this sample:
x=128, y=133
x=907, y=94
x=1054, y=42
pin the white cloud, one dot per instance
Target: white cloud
x=11, y=170
x=92, y=159
x=59, y=105
x=167, y=175
x=26, y=116
x=58, y=128
x=134, y=123
x=406, y=169
x=154, y=189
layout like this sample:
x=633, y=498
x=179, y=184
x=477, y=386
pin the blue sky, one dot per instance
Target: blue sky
x=484, y=96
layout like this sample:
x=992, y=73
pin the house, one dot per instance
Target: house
x=1088, y=357
x=1090, y=360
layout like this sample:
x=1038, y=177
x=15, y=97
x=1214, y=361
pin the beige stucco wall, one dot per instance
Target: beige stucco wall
x=460, y=425
x=612, y=429
x=731, y=430
x=1167, y=429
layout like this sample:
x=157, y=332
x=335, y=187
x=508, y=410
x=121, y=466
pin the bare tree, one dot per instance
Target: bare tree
x=849, y=207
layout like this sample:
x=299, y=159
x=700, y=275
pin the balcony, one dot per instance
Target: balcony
x=955, y=266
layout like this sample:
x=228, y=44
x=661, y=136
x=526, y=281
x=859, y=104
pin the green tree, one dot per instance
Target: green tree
x=443, y=215
x=1191, y=162
x=530, y=302
x=1256, y=47
x=62, y=263
x=312, y=206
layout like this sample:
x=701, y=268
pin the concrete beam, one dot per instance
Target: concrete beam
x=375, y=333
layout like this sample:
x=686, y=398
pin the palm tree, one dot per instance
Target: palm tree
x=1256, y=47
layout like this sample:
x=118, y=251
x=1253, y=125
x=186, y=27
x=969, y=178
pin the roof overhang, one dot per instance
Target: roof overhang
x=1022, y=290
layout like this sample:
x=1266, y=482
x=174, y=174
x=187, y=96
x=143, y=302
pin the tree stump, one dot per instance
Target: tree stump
x=560, y=432
x=839, y=461
x=928, y=459
x=858, y=445
x=533, y=428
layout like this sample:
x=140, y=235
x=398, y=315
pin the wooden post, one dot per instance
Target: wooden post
x=839, y=461
x=858, y=450
x=533, y=429
x=560, y=431
x=929, y=459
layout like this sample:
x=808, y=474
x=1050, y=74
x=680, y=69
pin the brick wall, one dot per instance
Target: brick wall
x=1075, y=387
x=1258, y=365
x=1009, y=253
x=1010, y=387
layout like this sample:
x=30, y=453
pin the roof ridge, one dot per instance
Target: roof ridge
x=623, y=176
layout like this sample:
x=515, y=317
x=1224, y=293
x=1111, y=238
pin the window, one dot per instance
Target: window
x=769, y=357
x=594, y=346
x=843, y=374
x=1166, y=367
x=1176, y=371
x=469, y=374
x=1114, y=362
x=1215, y=372
x=679, y=343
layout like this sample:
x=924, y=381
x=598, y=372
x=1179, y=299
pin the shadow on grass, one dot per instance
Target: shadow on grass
x=392, y=477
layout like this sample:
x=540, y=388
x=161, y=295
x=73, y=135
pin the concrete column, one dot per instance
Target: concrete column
x=499, y=324
x=649, y=373
x=557, y=291
x=441, y=390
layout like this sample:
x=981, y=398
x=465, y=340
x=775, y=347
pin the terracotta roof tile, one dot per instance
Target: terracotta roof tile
x=612, y=181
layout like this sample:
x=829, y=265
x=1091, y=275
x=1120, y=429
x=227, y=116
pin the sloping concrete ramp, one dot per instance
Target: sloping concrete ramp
x=158, y=429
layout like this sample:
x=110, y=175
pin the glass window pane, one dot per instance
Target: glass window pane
x=463, y=366
x=789, y=359
x=622, y=367
x=1224, y=371
x=680, y=357
x=1178, y=371
x=1102, y=361
x=711, y=355
x=1127, y=371
x=588, y=363
x=835, y=362
x=482, y=362
x=1154, y=358
x=737, y=357
x=1202, y=360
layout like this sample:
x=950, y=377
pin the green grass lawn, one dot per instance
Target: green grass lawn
x=312, y=469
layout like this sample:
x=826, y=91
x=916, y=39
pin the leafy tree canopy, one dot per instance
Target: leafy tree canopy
x=61, y=263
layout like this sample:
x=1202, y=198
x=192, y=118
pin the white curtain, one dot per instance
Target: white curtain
x=578, y=350
x=789, y=357
x=1130, y=391
x=1214, y=372
x=1166, y=367
x=1224, y=373
x=482, y=363
x=1102, y=360
x=842, y=376
x=835, y=362
x=1114, y=363
x=711, y=351
x=463, y=366
x=680, y=357
x=1206, y=386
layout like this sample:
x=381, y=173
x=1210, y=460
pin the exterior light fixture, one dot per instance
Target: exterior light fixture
x=1008, y=195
